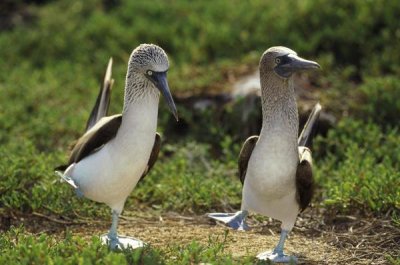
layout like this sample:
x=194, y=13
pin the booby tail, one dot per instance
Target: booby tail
x=306, y=135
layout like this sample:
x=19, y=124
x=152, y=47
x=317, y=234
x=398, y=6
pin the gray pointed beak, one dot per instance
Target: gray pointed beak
x=297, y=63
x=293, y=63
x=160, y=81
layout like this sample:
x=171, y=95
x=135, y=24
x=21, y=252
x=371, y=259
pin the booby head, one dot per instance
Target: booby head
x=150, y=64
x=284, y=62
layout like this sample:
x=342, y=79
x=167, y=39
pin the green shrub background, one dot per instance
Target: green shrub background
x=51, y=62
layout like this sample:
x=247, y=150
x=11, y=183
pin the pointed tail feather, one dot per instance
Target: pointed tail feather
x=103, y=99
x=306, y=136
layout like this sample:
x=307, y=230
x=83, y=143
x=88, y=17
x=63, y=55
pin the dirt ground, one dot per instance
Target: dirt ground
x=238, y=243
x=344, y=240
x=314, y=240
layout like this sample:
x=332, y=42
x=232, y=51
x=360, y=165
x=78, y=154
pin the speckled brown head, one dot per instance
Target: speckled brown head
x=284, y=62
x=148, y=58
x=147, y=73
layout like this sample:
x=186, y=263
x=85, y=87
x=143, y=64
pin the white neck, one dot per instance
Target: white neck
x=140, y=116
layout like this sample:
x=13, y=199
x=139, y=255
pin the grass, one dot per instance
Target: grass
x=360, y=170
x=52, y=61
x=28, y=249
x=23, y=248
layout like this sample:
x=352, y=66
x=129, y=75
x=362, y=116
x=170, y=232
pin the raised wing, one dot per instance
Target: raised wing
x=244, y=156
x=103, y=131
x=306, y=135
x=100, y=108
x=153, y=156
x=304, y=175
x=304, y=178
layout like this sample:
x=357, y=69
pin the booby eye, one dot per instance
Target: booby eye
x=277, y=60
x=149, y=72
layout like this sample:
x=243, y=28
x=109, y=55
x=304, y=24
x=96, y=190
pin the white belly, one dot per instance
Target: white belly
x=110, y=174
x=269, y=186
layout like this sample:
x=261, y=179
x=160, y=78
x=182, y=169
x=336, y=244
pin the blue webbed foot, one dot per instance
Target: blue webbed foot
x=277, y=254
x=121, y=242
x=277, y=257
x=236, y=220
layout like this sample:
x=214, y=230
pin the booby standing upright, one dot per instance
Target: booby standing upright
x=117, y=151
x=275, y=168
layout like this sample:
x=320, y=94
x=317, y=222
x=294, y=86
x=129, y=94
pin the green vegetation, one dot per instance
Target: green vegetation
x=52, y=61
x=30, y=249
x=23, y=248
x=201, y=184
x=360, y=169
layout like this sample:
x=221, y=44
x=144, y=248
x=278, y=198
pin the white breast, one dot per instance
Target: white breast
x=110, y=174
x=269, y=186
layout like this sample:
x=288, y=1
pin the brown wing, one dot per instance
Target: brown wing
x=244, y=156
x=104, y=130
x=304, y=178
x=106, y=127
x=153, y=155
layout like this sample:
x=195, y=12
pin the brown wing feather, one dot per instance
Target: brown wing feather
x=304, y=178
x=104, y=130
x=244, y=156
x=306, y=135
x=153, y=156
x=100, y=108
x=99, y=129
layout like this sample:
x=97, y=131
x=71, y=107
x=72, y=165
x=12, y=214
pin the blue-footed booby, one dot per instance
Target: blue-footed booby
x=117, y=151
x=275, y=167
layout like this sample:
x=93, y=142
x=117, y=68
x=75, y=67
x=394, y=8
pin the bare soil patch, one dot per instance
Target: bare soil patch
x=345, y=240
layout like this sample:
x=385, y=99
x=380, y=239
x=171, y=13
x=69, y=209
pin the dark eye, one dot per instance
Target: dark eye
x=277, y=60
x=149, y=72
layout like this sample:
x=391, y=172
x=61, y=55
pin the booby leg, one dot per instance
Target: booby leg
x=236, y=220
x=277, y=254
x=119, y=242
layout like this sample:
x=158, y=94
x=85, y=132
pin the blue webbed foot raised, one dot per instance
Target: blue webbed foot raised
x=236, y=220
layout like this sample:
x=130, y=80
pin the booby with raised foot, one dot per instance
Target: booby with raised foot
x=275, y=167
x=117, y=151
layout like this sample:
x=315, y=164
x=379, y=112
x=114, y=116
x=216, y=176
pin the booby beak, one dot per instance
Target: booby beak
x=159, y=79
x=292, y=63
